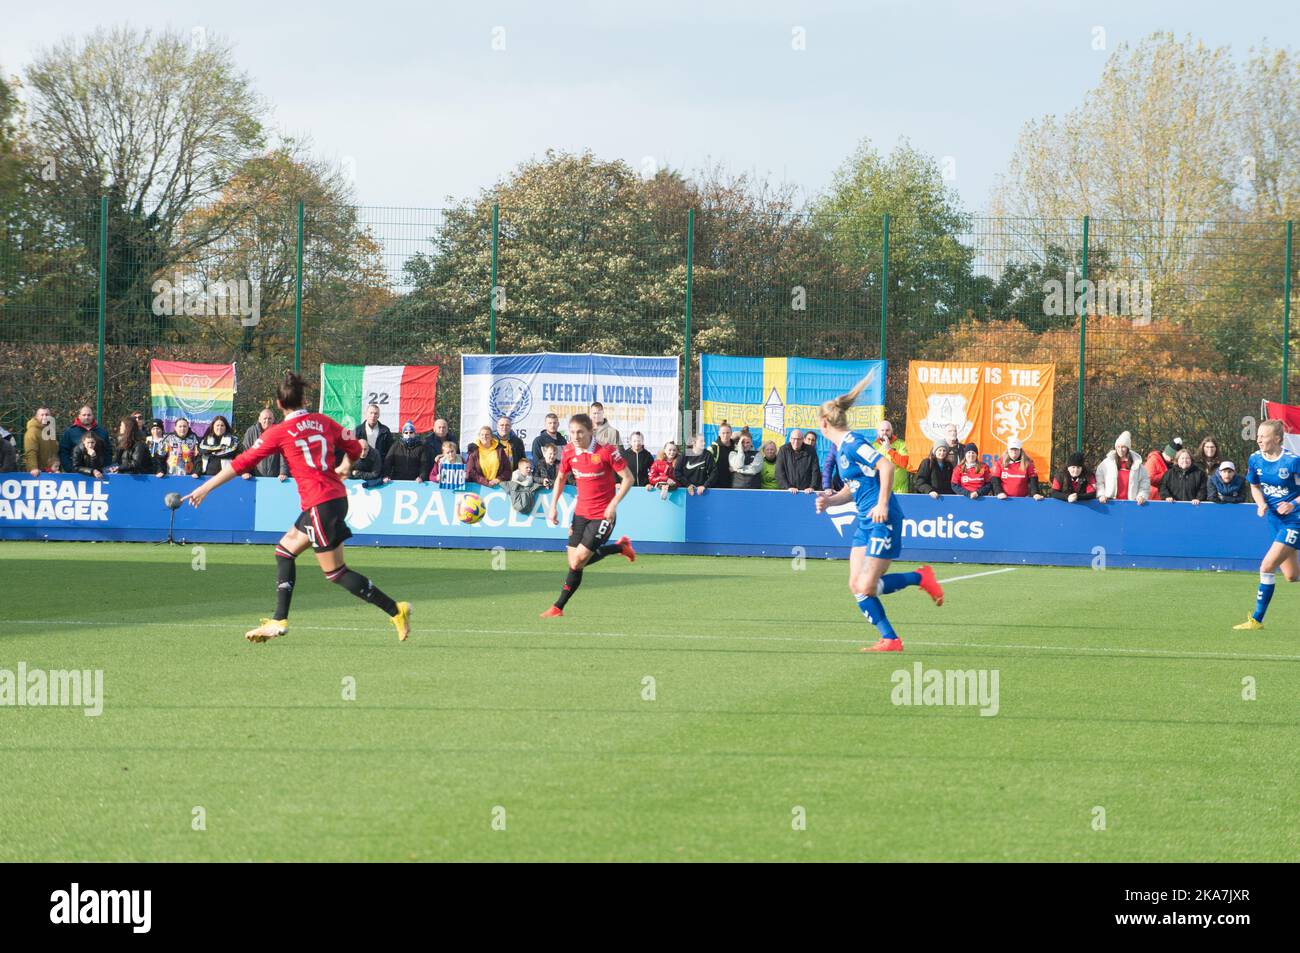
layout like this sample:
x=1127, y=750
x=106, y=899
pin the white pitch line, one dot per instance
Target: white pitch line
x=976, y=575
x=695, y=637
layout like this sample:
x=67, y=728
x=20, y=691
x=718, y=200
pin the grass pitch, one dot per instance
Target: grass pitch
x=1119, y=691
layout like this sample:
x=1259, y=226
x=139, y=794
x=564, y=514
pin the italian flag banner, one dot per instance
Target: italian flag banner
x=402, y=391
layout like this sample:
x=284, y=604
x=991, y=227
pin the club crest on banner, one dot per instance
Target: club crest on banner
x=195, y=393
x=510, y=397
x=1013, y=418
x=945, y=409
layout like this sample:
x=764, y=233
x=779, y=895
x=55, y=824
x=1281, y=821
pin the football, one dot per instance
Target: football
x=470, y=508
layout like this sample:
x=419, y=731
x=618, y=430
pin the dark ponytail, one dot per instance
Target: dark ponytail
x=290, y=392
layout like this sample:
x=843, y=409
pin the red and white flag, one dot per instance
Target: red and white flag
x=1290, y=417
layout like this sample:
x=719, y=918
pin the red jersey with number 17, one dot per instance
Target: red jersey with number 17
x=594, y=470
x=308, y=442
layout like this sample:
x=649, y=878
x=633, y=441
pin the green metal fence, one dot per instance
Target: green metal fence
x=1161, y=328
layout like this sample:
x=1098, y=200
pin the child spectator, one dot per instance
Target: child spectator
x=1226, y=485
x=767, y=479
x=522, y=488
x=695, y=467
x=547, y=463
x=1184, y=482
x=1014, y=473
x=1074, y=484
x=132, y=452
x=934, y=475
x=639, y=460
x=663, y=475
x=972, y=475
x=182, y=451
x=449, y=455
x=218, y=446
x=90, y=456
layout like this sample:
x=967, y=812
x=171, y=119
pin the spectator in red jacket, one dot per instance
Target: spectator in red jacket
x=1158, y=463
x=663, y=472
x=1074, y=484
x=972, y=476
x=1014, y=473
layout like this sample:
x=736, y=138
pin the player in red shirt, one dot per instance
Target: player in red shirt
x=593, y=466
x=308, y=443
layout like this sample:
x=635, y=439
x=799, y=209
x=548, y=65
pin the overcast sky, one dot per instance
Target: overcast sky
x=414, y=97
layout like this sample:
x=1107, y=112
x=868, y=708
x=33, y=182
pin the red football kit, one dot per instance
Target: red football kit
x=593, y=470
x=308, y=442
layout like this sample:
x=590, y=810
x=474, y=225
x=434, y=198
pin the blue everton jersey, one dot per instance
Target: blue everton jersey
x=857, y=461
x=1278, y=479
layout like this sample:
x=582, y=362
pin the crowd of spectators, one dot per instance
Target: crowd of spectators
x=497, y=457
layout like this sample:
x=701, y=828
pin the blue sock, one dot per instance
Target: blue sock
x=871, y=607
x=898, y=580
x=1263, y=596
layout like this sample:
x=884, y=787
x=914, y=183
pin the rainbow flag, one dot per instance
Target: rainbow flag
x=402, y=391
x=197, y=392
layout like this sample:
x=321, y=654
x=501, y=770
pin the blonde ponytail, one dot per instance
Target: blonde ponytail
x=835, y=412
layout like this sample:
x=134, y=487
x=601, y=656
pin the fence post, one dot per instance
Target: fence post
x=1286, y=315
x=690, y=279
x=492, y=303
x=103, y=304
x=884, y=283
x=297, y=303
x=1083, y=335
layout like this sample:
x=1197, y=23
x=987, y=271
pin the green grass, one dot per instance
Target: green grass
x=1119, y=689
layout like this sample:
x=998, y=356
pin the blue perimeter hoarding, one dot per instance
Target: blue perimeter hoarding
x=721, y=522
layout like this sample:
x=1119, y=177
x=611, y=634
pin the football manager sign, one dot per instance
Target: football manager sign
x=639, y=393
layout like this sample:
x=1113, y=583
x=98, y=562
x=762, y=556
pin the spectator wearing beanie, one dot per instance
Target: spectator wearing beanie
x=1184, y=482
x=934, y=475
x=694, y=468
x=1121, y=475
x=1158, y=464
x=796, y=465
x=639, y=460
x=408, y=458
x=1226, y=485
x=1074, y=484
x=972, y=476
x=1014, y=473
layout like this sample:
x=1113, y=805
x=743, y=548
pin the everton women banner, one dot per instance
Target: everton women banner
x=639, y=393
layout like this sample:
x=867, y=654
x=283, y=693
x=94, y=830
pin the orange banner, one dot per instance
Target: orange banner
x=988, y=403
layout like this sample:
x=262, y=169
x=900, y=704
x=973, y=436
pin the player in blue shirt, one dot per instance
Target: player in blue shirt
x=1274, y=477
x=868, y=481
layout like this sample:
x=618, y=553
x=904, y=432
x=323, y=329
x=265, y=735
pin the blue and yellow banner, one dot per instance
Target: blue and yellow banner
x=774, y=395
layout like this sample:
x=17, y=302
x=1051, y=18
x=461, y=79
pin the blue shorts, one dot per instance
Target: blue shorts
x=883, y=540
x=1286, y=529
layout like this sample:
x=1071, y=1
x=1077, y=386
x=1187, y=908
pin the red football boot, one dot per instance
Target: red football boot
x=552, y=613
x=931, y=585
x=625, y=545
x=884, y=645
